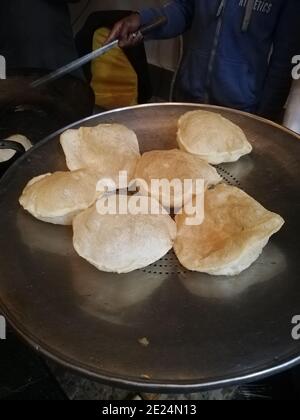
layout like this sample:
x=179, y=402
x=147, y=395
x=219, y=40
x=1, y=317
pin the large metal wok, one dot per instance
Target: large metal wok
x=202, y=331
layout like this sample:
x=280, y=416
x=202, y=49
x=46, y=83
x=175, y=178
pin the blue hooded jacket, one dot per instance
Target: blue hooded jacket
x=239, y=53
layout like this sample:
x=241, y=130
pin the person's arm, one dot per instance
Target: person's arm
x=179, y=14
x=279, y=77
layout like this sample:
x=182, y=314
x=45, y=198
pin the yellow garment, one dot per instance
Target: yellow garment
x=114, y=80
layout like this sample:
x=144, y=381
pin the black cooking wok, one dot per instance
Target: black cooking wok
x=10, y=145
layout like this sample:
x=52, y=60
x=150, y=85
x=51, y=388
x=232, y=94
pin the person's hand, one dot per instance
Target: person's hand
x=126, y=31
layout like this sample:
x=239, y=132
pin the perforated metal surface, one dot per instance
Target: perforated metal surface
x=228, y=177
x=202, y=331
x=168, y=265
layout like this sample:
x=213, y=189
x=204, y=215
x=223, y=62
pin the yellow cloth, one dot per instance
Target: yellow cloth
x=114, y=80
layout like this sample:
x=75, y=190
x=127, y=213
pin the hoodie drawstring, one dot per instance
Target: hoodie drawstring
x=220, y=8
x=248, y=15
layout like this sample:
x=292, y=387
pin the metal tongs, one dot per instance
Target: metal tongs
x=74, y=65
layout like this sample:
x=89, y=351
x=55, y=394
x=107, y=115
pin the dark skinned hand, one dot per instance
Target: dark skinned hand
x=127, y=31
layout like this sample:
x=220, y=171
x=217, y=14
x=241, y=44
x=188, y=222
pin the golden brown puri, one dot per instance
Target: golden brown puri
x=235, y=230
x=106, y=149
x=170, y=165
x=212, y=137
x=122, y=243
x=57, y=198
